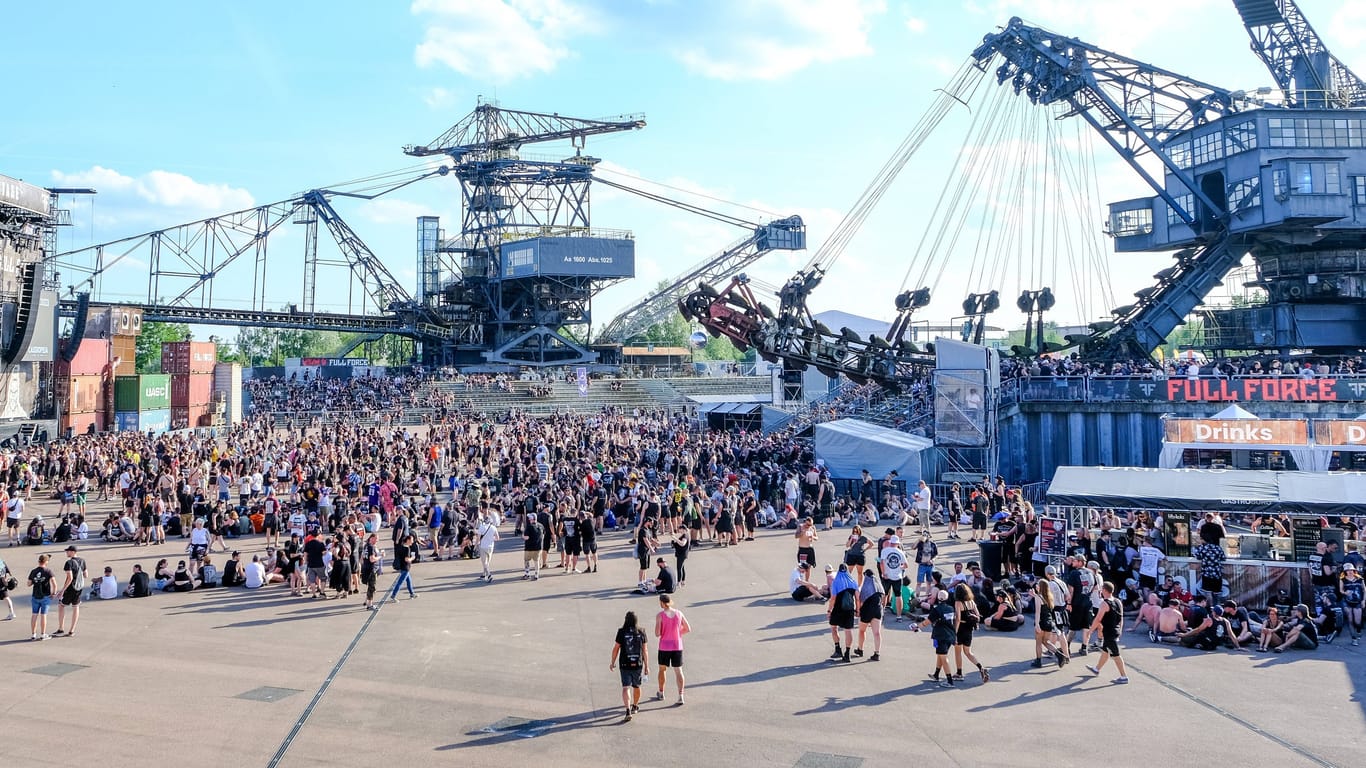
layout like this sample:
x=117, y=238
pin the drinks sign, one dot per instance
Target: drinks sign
x=1258, y=432
x=1339, y=433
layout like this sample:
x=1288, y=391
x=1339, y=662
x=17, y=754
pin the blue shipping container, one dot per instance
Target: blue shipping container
x=142, y=421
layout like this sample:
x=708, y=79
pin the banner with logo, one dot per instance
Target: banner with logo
x=582, y=374
x=1339, y=434
x=1210, y=390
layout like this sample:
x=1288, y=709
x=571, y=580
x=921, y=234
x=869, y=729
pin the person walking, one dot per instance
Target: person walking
x=403, y=563
x=532, y=535
x=870, y=612
x=966, y=617
x=1109, y=620
x=632, y=651
x=7, y=584
x=487, y=534
x=72, y=587
x=842, y=610
x=682, y=544
x=1045, y=624
x=670, y=627
x=941, y=623
x=369, y=569
x=40, y=579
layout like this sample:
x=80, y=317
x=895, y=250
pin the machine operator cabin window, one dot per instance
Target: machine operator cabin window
x=1315, y=179
x=1359, y=189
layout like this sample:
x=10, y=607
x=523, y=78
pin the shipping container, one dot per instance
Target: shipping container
x=148, y=392
x=190, y=417
x=80, y=423
x=125, y=350
x=79, y=394
x=91, y=358
x=227, y=384
x=191, y=389
x=157, y=421
x=112, y=322
x=180, y=357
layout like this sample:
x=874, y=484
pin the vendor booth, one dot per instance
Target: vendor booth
x=849, y=446
x=1237, y=439
x=1288, y=510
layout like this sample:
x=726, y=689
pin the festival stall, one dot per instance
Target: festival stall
x=1274, y=519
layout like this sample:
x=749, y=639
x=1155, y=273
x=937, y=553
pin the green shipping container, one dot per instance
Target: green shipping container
x=148, y=392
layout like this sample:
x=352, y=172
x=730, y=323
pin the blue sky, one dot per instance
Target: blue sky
x=178, y=111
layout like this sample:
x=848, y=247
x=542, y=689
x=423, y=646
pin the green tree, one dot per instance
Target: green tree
x=1050, y=335
x=720, y=348
x=673, y=332
x=257, y=346
x=1190, y=334
x=150, y=340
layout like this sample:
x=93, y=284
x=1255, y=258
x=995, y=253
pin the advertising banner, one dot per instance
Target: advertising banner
x=1219, y=390
x=1255, y=432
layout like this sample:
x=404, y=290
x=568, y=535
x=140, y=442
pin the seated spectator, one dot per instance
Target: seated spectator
x=1271, y=629
x=233, y=575
x=64, y=532
x=802, y=588
x=255, y=575
x=82, y=529
x=1239, y=624
x=1148, y=613
x=1326, y=618
x=105, y=587
x=1006, y=617
x=209, y=575
x=180, y=581
x=663, y=582
x=139, y=585
x=1170, y=623
x=1300, y=631
x=34, y=535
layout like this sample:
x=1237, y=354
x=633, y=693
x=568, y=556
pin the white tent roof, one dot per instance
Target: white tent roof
x=1235, y=412
x=848, y=446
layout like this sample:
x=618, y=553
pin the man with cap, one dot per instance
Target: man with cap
x=1081, y=585
x=893, y=562
x=74, y=571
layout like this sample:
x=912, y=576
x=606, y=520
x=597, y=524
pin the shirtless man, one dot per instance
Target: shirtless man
x=1169, y=624
x=1148, y=613
x=806, y=542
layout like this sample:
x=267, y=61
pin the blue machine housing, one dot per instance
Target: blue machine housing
x=596, y=257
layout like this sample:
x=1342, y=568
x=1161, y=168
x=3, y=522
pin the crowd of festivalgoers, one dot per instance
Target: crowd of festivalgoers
x=337, y=505
x=1190, y=366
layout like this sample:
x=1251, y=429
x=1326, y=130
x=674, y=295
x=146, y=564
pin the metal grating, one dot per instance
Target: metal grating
x=267, y=693
x=826, y=760
x=56, y=669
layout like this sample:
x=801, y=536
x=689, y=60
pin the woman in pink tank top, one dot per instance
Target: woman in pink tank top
x=670, y=627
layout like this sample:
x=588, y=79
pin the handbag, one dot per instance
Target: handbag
x=11, y=583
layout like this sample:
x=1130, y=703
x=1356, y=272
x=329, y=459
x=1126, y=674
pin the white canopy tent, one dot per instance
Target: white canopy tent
x=848, y=446
x=1306, y=458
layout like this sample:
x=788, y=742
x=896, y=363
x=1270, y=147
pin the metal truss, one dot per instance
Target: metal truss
x=1297, y=57
x=490, y=129
x=658, y=307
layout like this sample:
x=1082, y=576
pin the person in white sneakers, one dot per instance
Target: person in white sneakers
x=487, y=531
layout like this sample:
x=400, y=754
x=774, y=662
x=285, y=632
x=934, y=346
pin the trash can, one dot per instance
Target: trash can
x=990, y=558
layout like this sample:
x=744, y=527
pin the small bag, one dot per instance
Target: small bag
x=11, y=583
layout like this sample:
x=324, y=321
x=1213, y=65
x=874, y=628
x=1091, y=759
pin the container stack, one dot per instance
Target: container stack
x=142, y=403
x=227, y=388
x=190, y=365
x=79, y=388
x=119, y=327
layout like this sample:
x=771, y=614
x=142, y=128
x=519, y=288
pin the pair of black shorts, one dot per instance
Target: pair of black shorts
x=843, y=619
x=573, y=547
x=71, y=596
x=807, y=555
x=871, y=610
x=1110, y=644
x=1078, y=621
x=670, y=659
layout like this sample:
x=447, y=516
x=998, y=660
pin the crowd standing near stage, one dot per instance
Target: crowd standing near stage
x=324, y=512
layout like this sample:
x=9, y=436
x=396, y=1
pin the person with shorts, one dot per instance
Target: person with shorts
x=314, y=550
x=842, y=610
x=72, y=587
x=966, y=618
x=589, y=536
x=1108, y=622
x=632, y=651
x=670, y=627
x=806, y=541
x=14, y=513
x=942, y=635
x=40, y=579
x=871, y=598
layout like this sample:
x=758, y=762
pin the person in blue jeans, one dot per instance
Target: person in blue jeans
x=403, y=561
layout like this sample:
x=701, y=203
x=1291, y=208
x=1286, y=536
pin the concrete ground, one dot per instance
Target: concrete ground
x=515, y=673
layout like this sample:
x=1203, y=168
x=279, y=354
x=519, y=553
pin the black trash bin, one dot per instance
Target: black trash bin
x=990, y=559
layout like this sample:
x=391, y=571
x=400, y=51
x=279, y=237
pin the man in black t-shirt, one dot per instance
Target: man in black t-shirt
x=139, y=585
x=665, y=580
x=74, y=571
x=40, y=579
x=533, y=533
x=314, y=549
x=632, y=652
x=403, y=563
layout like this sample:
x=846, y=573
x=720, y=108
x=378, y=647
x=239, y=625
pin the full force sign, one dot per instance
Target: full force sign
x=1220, y=390
x=1254, y=432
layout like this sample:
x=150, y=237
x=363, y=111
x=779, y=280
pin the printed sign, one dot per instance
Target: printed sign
x=1267, y=432
x=1206, y=389
x=1339, y=433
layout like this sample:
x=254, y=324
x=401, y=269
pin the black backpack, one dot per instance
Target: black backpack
x=631, y=650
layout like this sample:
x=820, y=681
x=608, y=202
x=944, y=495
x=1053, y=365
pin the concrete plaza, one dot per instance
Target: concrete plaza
x=516, y=673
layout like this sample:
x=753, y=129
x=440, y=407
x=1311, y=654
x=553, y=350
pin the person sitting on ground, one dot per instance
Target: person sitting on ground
x=1239, y=624
x=1325, y=618
x=254, y=576
x=139, y=585
x=788, y=519
x=664, y=581
x=1204, y=626
x=128, y=530
x=1148, y=613
x=34, y=535
x=209, y=575
x=802, y=588
x=1270, y=633
x=233, y=575
x=1006, y=616
x=1170, y=623
x=180, y=581
x=1300, y=631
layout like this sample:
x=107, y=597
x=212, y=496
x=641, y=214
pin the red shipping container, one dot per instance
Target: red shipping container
x=79, y=423
x=91, y=358
x=191, y=389
x=80, y=394
x=188, y=417
x=179, y=357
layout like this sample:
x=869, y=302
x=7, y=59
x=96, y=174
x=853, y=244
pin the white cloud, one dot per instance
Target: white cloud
x=497, y=40
x=915, y=24
x=1348, y=27
x=1121, y=27
x=393, y=210
x=439, y=98
x=779, y=37
x=160, y=188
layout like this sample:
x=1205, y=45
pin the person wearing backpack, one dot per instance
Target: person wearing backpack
x=842, y=610
x=1109, y=620
x=632, y=652
x=74, y=569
